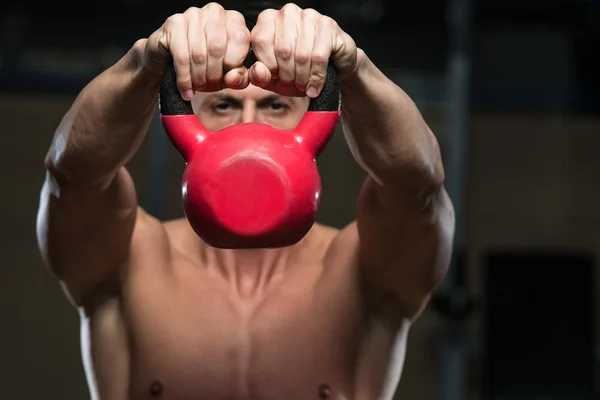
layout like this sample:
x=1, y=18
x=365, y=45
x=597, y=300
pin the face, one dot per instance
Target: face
x=253, y=104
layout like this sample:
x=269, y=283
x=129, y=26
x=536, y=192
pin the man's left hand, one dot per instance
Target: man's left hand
x=294, y=46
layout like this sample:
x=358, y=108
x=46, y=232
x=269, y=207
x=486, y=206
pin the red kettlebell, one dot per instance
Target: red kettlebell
x=250, y=185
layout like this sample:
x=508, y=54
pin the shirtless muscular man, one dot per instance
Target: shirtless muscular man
x=163, y=315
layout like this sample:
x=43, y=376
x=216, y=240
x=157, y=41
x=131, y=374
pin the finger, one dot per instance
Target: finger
x=304, y=48
x=156, y=54
x=262, y=39
x=215, y=30
x=197, y=48
x=286, y=36
x=176, y=36
x=320, y=57
x=236, y=78
x=238, y=41
x=287, y=90
x=260, y=75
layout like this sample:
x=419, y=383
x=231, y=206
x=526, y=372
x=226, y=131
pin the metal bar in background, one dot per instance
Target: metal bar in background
x=459, y=85
x=154, y=198
x=454, y=338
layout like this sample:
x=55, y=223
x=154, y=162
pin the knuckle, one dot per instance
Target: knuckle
x=289, y=8
x=325, y=22
x=181, y=57
x=217, y=47
x=283, y=50
x=310, y=14
x=198, y=56
x=236, y=17
x=267, y=15
x=142, y=49
x=239, y=36
x=162, y=42
x=175, y=19
x=260, y=37
x=214, y=8
x=329, y=22
x=184, y=81
x=317, y=75
x=192, y=10
x=141, y=44
x=320, y=58
x=316, y=81
x=302, y=57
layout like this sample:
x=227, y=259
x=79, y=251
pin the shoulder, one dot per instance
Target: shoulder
x=153, y=236
x=147, y=227
x=333, y=245
x=178, y=229
x=324, y=241
x=149, y=237
x=323, y=233
x=184, y=242
x=158, y=245
x=150, y=228
x=317, y=241
x=340, y=276
x=342, y=240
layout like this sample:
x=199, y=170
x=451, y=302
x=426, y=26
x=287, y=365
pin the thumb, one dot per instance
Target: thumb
x=260, y=75
x=236, y=78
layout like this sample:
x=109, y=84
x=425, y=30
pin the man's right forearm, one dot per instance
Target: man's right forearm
x=106, y=124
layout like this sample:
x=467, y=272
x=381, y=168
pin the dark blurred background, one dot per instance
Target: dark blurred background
x=512, y=90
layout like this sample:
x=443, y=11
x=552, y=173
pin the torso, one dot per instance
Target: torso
x=179, y=330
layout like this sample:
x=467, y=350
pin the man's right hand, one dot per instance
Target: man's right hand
x=208, y=47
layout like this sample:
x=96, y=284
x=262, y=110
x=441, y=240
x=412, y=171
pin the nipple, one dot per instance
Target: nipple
x=324, y=391
x=156, y=389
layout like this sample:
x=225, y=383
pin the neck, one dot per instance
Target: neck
x=247, y=272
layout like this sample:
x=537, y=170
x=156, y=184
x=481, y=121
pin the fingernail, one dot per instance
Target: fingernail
x=312, y=91
x=188, y=95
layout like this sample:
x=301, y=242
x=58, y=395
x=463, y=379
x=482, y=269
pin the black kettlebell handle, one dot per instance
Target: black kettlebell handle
x=171, y=102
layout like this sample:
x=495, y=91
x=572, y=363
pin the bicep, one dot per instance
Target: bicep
x=84, y=234
x=405, y=247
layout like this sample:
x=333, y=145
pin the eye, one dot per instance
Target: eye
x=277, y=106
x=222, y=106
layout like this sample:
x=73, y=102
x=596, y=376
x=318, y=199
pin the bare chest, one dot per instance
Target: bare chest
x=200, y=343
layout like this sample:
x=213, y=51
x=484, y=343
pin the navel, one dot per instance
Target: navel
x=156, y=389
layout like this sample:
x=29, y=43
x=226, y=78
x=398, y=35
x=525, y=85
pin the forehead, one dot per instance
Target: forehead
x=252, y=92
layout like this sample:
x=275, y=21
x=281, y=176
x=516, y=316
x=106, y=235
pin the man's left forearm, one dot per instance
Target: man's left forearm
x=388, y=135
